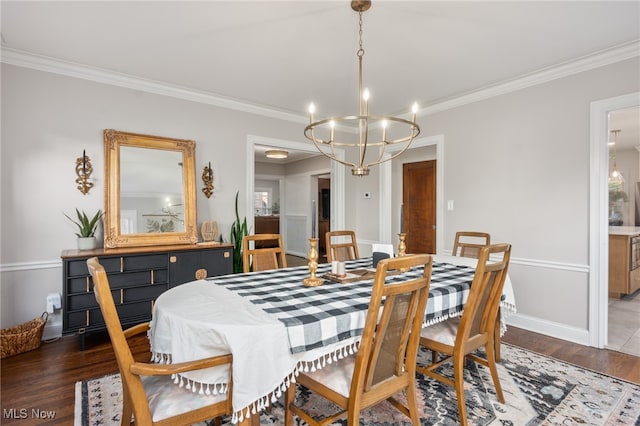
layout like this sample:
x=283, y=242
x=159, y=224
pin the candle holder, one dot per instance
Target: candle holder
x=207, y=179
x=402, y=247
x=312, y=280
x=83, y=171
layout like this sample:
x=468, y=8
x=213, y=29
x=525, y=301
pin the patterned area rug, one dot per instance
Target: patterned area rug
x=538, y=390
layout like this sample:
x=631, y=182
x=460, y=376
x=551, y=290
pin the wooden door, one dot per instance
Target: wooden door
x=419, y=206
x=324, y=216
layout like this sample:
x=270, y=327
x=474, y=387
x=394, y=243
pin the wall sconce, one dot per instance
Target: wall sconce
x=83, y=171
x=207, y=179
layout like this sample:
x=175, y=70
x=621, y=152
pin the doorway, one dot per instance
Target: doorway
x=390, y=184
x=324, y=215
x=419, y=206
x=295, y=223
x=598, y=215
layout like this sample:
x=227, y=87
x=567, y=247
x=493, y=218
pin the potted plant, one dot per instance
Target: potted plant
x=238, y=230
x=86, y=229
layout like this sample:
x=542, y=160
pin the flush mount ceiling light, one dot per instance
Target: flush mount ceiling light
x=276, y=153
x=374, y=131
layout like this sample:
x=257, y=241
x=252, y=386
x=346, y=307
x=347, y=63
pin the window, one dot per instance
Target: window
x=261, y=202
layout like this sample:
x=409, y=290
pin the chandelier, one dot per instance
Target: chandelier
x=615, y=178
x=373, y=131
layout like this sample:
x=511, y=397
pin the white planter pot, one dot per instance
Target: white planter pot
x=88, y=243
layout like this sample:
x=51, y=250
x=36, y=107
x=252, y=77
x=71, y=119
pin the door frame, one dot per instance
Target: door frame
x=337, y=179
x=598, y=217
x=386, y=209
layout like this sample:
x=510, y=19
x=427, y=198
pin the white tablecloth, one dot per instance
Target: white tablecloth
x=202, y=319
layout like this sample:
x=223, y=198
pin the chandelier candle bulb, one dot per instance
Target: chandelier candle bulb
x=384, y=130
x=313, y=219
x=312, y=109
x=365, y=97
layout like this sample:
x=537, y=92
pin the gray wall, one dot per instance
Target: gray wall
x=47, y=120
x=516, y=165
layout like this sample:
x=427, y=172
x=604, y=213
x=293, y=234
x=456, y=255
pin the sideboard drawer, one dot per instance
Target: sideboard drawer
x=92, y=319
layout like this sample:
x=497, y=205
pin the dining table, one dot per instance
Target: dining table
x=275, y=326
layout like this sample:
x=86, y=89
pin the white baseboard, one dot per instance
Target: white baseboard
x=550, y=328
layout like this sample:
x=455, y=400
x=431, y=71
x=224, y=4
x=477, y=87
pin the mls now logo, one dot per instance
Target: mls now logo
x=23, y=413
x=14, y=413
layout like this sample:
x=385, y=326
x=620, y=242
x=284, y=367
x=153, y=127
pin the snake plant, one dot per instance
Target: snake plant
x=86, y=227
x=238, y=231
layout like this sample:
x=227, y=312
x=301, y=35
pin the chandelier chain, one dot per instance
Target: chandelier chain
x=360, y=50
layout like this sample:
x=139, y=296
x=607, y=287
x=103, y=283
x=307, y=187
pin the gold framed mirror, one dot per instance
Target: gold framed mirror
x=150, y=192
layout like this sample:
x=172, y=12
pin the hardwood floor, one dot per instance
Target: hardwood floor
x=43, y=380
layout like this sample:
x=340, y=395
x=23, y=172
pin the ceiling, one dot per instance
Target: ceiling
x=280, y=55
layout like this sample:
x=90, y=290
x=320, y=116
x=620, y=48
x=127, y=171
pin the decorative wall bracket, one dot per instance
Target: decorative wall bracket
x=207, y=179
x=83, y=171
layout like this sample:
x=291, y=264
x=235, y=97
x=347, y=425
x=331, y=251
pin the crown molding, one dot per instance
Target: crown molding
x=44, y=63
x=75, y=70
x=619, y=53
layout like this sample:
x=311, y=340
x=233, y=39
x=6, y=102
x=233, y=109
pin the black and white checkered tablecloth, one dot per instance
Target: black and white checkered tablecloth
x=318, y=316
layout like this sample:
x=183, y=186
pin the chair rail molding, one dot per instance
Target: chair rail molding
x=30, y=266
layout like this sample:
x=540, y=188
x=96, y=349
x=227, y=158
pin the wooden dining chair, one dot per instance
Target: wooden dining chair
x=263, y=258
x=386, y=359
x=468, y=244
x=341, y=246
x=148, y=389
x=458, y=338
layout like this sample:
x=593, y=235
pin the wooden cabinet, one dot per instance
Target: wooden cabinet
x=184, y=265
x=624, y=264
x=137, y=276
x=267, y=225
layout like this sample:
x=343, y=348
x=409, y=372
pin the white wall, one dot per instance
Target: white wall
x=301, y=185
x=517, y=166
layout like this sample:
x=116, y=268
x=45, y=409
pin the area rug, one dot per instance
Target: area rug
x=538, y=391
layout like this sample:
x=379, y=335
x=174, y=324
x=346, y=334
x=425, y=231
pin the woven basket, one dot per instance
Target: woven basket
x=23, y=337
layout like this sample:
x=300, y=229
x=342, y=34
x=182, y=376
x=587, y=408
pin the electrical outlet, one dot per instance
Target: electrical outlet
x=367, y=195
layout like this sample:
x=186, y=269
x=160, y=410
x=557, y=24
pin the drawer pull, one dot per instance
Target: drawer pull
x=87, y=322
x=201, y=274
x=121, y=264
x=152, y=278
x=172, y=259
x=121, y=296
x=87, y=284
x=226, y=255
